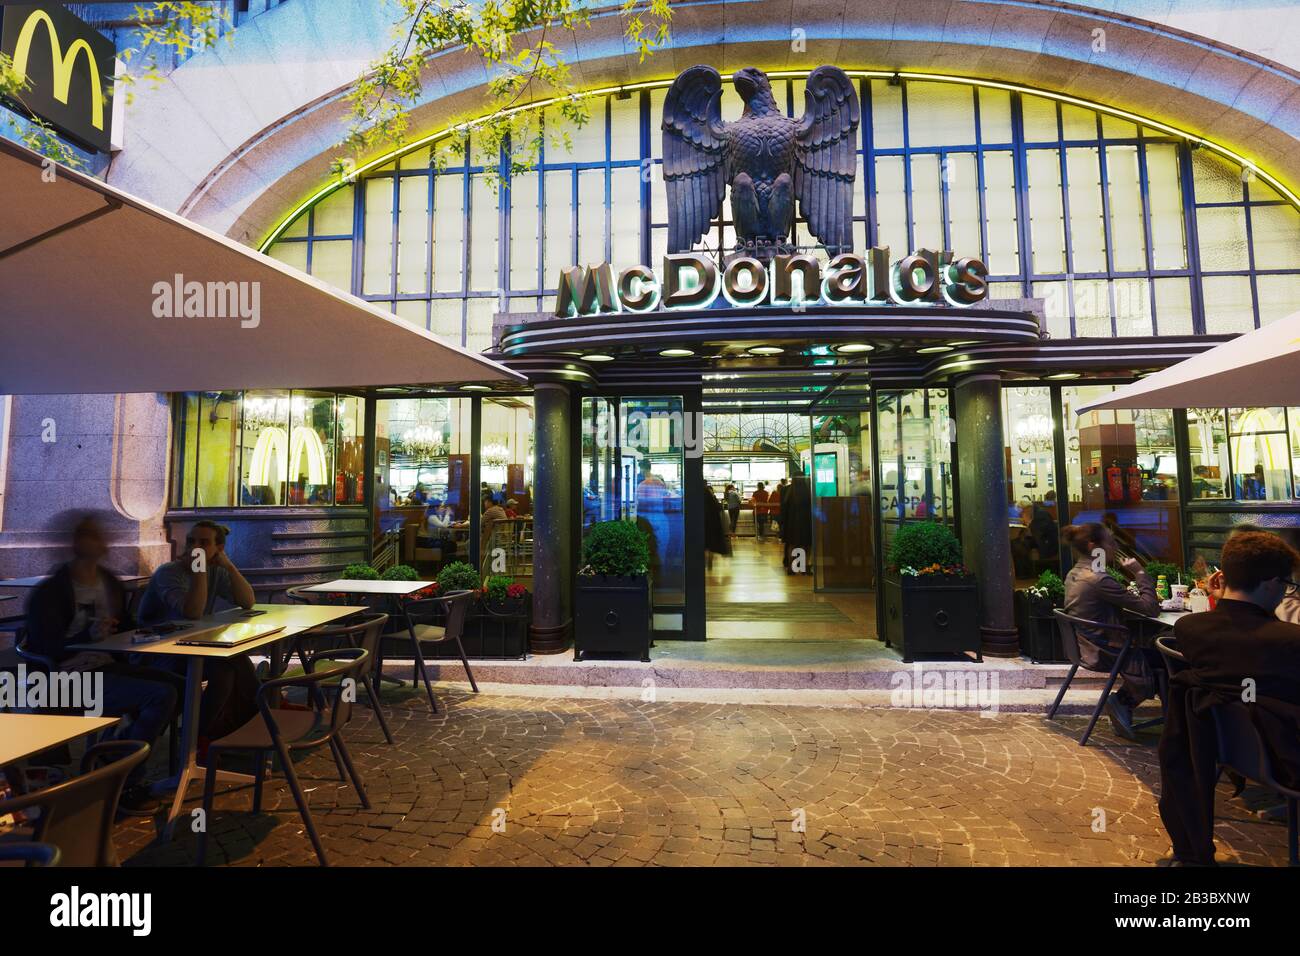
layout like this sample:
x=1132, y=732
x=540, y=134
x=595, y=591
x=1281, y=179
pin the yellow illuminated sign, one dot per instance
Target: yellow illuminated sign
x=63, y=63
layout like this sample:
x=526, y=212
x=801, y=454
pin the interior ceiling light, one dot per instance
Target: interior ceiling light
x=598, y=357
x=1058, y=376
x=852, y=348
x=676, y=353
x=766, y=350
x=476, y=388
x=934, y=349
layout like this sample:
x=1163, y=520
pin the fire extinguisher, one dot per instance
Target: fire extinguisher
x=340, y=491
x=1114, y=483
x=1134, y=484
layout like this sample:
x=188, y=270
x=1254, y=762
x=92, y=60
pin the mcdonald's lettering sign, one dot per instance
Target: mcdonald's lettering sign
x=68, y=66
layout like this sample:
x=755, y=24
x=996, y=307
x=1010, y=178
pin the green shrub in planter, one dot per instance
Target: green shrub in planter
x=924, y=544
x=616, y=549
x=1050, y=587
x=401, y=572
x=458, y=576
x=498, y=587
x=360, y=572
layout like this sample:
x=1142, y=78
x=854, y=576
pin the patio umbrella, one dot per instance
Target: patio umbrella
x=106, y=293
x=1257, y=369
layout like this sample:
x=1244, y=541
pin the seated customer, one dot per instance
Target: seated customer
x=1239, y=646
x=188, y=589
x=1242, y=637
x=1096, y=596
x=83, y=601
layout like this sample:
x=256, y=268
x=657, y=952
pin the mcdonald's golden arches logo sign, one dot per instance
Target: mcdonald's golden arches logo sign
x=69, y=67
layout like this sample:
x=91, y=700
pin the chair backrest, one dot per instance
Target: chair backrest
x=327, y=687
x=1240, y=745
x=30, y=657
x=458, y=605
x=364, y=631
x=1066, y=624
x=1167, y=645
x=77, y=815
x=299, y=595
x=32, y=854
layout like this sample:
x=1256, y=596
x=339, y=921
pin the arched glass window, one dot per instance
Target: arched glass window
x=1123, y=229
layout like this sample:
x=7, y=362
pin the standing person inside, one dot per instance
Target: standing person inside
x=715, y=532
x=1092, y=594
x=758, y=501
x=189, y=588
x=82, y=601
x=796, y=526
x=732, y=500
x=492, y=513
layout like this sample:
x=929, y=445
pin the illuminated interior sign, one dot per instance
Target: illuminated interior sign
x=692, y=281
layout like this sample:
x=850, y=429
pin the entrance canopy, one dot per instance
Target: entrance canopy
x=1258, y=369
x=105, y=293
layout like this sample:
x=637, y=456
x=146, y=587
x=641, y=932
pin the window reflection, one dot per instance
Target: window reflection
x=1122, y=471
x=1031, y=481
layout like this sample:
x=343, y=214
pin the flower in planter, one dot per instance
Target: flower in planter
x=1049, y=588
x=516, y=591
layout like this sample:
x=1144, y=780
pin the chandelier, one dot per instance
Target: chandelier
x=423, y=443
x=1034, y=428
x=264, y=412
x=496, y=455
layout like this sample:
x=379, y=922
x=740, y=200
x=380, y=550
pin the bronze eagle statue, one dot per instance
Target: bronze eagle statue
x=769, y=160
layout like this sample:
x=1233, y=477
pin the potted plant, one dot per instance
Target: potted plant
x=400, y=572
x=612, y=602
x=502, y=596
x=1039, y=638
x=458, y=576
x=931, y=602
x=360, y=571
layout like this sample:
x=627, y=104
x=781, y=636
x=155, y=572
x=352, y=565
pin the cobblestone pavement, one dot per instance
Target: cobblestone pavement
x=629, y=783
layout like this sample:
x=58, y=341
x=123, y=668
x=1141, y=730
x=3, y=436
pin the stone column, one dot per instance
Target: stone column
x=553, y=494
x=986, y=543
x=62, y=455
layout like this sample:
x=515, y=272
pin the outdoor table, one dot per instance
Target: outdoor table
x=131, y=582
x=22, y=735
x=392, y=592
x=290, y=618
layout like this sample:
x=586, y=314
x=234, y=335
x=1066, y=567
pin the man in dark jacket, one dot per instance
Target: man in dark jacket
x=1239, y=652
x=83, y=601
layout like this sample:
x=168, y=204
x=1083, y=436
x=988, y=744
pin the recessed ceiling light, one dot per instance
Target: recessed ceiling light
x=598, y=357
x=676, y=353
x=1058, y=376
x=934, y=349
x=958, y=345
x=766, y=350
x=849, y=348
x=476, y=388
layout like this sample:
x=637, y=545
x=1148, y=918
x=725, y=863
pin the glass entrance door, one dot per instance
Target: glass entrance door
x=633, y=455
x=843, y=512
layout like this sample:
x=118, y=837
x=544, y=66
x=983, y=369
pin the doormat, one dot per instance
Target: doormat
x=775, y=611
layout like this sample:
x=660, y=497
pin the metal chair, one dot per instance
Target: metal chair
x=419, y=616
x=31, y=854
x=298, y=594
x=1242, y=748
x=365, y=633
x=1066, y=624
x=1175, y=662
x=284, y=731
x=77, y=815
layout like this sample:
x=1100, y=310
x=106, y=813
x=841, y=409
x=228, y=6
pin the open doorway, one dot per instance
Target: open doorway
x=796, y=506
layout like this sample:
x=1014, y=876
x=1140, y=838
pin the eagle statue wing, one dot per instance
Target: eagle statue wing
x=695, y=155
x=826, y=157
